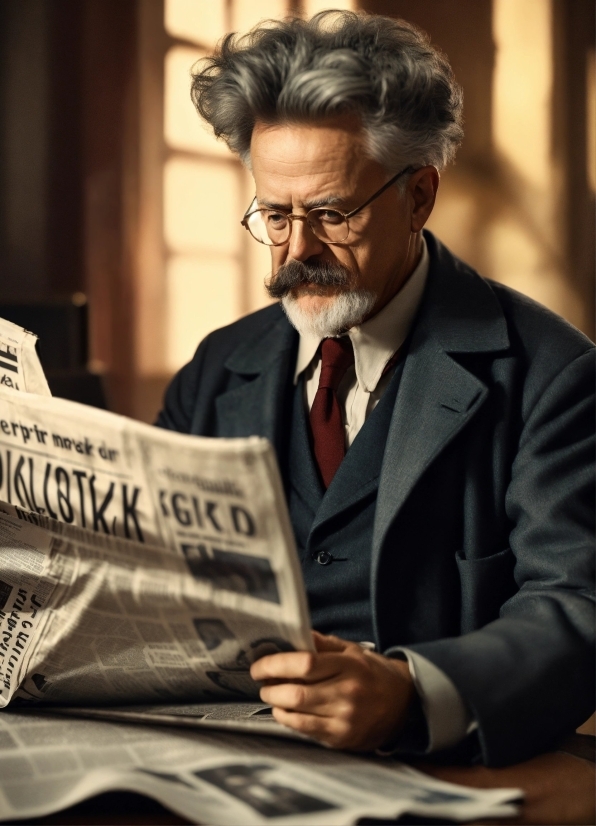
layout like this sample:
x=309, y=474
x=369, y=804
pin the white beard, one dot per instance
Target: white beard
x=347, y=310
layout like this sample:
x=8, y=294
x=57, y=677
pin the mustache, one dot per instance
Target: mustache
x=296, y=273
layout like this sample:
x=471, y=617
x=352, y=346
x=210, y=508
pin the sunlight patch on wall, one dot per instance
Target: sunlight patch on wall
x=247, y=13
x=200, y=21
x=523, y=85
x=523, y=243
x=202, y=207
x=313, y=6
x=202, y=296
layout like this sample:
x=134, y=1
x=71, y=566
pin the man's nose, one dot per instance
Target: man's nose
x=303, y=242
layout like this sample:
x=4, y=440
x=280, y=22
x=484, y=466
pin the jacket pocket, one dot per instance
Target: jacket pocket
x=486, y=583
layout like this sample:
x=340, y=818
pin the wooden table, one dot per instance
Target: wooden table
x=560, y=788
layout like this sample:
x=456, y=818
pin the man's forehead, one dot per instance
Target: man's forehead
x=309, y=164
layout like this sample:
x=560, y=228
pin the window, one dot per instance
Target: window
x=213, y=273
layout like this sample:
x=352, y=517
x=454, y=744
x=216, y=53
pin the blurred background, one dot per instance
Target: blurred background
x=120, y=236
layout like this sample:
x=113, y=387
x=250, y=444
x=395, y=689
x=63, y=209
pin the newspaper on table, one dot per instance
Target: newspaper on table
x=20, y=368
x=48, y=763
x=137, y=564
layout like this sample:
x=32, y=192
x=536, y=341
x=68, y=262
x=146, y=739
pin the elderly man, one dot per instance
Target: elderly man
x=433, y=429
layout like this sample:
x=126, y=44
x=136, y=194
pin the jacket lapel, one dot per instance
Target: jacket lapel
x=264, y=366
x=355, y=479
x=437, y=396
x=304, y=476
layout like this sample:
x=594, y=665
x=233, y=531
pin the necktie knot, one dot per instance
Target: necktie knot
x=337, y=354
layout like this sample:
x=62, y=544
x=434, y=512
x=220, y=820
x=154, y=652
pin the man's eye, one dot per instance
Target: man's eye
x=330, y=216
x=276, y=219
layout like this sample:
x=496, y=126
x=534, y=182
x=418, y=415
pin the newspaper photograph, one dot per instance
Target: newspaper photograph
x=48, y=763
x=20, y=368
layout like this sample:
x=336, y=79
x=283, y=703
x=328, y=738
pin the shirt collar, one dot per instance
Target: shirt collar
x=379, y=337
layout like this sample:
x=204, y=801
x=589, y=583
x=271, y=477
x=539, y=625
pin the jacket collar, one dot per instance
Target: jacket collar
x=459, y=309
x=260, y=352
x=257, y=404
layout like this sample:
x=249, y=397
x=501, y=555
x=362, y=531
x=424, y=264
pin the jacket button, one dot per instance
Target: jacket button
x=324, y=558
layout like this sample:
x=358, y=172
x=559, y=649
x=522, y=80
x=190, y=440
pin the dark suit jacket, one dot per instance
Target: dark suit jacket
x=482, y=556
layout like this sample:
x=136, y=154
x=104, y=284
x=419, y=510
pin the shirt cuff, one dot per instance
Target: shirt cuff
x=447, y=718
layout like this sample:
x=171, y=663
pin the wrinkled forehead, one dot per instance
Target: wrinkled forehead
x=298, y=164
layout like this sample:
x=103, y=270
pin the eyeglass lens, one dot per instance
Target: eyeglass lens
x=272, y=228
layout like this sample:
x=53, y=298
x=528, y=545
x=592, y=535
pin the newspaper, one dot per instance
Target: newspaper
x=172, y=569
x=20, y=368
x=48, y=763
x=253, y=717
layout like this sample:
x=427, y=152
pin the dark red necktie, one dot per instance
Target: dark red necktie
x=326, y=421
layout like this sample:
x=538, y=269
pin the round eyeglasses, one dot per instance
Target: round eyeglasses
x=273, y=227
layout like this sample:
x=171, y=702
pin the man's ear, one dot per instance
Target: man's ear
x=422, y=191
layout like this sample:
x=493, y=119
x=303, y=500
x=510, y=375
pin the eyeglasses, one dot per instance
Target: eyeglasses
x=274, y=227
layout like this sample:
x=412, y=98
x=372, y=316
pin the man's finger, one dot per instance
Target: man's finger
x=295, y=665
x=327, y=730
x=321, y=699
x=305, y=723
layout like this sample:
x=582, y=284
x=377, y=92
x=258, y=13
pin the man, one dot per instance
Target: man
x=433, y=429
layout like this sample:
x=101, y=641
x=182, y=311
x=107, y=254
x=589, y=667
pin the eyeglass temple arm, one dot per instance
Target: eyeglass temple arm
x=247, y=213
x=380, y=191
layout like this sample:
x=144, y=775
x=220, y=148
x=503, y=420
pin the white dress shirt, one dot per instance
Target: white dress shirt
x=375, y=342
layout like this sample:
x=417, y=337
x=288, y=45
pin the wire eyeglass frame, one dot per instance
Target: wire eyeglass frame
x=345, y=216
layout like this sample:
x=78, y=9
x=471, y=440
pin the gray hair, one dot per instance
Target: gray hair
x=383, y=70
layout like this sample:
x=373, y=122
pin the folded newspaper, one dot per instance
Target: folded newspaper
x=138, y=565
x=48, y=763
x=141, y=573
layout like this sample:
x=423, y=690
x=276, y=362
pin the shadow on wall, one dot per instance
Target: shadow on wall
x=496, y=221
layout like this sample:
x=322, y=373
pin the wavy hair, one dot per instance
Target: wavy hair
x=383, y=70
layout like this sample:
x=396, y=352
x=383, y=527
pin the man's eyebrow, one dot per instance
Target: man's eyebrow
x=328, y=200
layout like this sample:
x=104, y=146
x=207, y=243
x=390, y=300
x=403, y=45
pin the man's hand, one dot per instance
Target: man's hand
x=343, y=696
